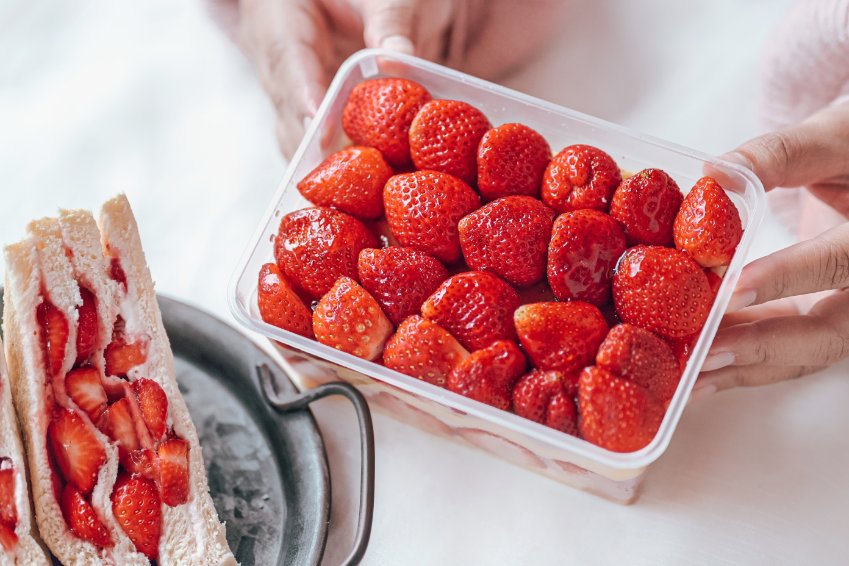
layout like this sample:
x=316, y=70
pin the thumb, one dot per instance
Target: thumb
x=389, y=24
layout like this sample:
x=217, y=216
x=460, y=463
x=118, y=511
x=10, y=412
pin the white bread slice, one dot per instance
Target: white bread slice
x=191, y=533
x=29, y=549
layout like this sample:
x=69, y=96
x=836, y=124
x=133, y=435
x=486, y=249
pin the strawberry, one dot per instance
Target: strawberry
x=563, y=336
x=424, y=350
x=662, y=290
x=511, y=161
x=714, y=281
x=137, y=508
x=77, y=450
x=548, y=397
x=585, y=246
x=646, y=205
x=174, y=471
x=616, y=413
x=116, y=272
x=682, y=348
x=488, y=375
x=379, y=113
x=315, y=246
x=54, y=335
x=638, y=355
x=121, y=356
x=279, y=304
x=118, y=424
x=82, y=519
x=350, y=180
x=142, y=461
x=508, y=237
x=580, y=176
x=708, y=226
x=8, y=538
x=8, y=509
x=423, y=209
x=476, y=307
x=400, y=279
x=349, y=319
x=86, y=326
x=153, y=405
x=444, y=136
x=85, y=388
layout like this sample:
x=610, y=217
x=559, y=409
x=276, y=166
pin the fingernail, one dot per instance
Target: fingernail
x=700, y=392
x=717, y=361
x=741, y=299
x=398, y=43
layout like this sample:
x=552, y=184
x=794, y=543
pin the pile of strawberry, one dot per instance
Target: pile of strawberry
x=571, y=297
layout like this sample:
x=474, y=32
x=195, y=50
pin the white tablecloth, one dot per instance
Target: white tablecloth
x=150, y=99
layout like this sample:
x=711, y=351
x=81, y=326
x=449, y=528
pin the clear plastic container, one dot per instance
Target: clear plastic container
x=536, y=447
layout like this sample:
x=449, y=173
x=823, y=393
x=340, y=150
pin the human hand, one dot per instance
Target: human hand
x=297, y=45
x=769, y=335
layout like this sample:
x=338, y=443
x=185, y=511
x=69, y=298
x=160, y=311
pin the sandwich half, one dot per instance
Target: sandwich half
x=117, y=471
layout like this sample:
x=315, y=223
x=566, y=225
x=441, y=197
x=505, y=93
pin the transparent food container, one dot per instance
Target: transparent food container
x=616, y=476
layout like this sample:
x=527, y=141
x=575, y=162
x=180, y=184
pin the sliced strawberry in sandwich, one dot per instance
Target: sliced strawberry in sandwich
x=118, y=424
x=85, y=388
x=137, y=508
x=8, y=538
x=82, y=520
x=153, y=404
x=54, y=335
x=8, y=510
x=77, y=450
x=142, y=461
x=174, y=471
x=86, y=326
x=121, y=356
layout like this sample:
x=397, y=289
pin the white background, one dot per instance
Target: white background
x=151, y=99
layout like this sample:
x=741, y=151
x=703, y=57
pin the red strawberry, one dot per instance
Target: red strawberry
x=444, y=136
x=8, y=508
x=508, y=237
x=662, y=290
x=682, y=348
x=118, y=424
x=137, y=508
x=548, y=397
x=640, y=356
x=82, y=519
x=315, y=246
x=476, y=307
x=8, y=538
x=85, y=388
x=350, y=180
x=562, y=336
x=511, y=161
x=489, y=374
x=585, y=246
x=708, y=226
x=54, y=335
x=86, y=326
x=349, y=319
x=616, y=413
x=116, y=272
x=174, y=471
x=714, y=281
x=646, y=205
x=400, y=279
x=423, y=350
x=279, y=304
x=423, y=209
x=379, y=113
x=141, y=461
x=580, y=176
x=153, y=405
x=121, y=356
x=77, y=450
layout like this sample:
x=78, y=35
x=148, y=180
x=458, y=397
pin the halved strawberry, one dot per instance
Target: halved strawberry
x=616, y=413
x=85, y=388
x=424, y=350
x=8, y=508
x=423, y=209
x=117, y=423
x=8, y=538
x=548, y=397
x=349, y=319
x=508, y=237
x=82, y=519
x=350, y=180
x=562, y=336
x=138, y=509
x=489, y=374
x=511, y=161
x=646, y=205
x=54, y=335
x=639, y=355
x=279, y=304
x=444, y=136
x=580, y=176
x=708, y=226
x=77, y=450
x=174, y=471
x=400, y=279
x=86, y=326
x=121, y=356
x=116, y=272
x=142, y=462
x=153, y=404
x=476, y=307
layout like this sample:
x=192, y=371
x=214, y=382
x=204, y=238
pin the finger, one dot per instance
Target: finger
x=780, y=307
x=389, y=24
x=748, y=376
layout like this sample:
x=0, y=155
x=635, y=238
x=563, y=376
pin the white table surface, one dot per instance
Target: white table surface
x=149, y=98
